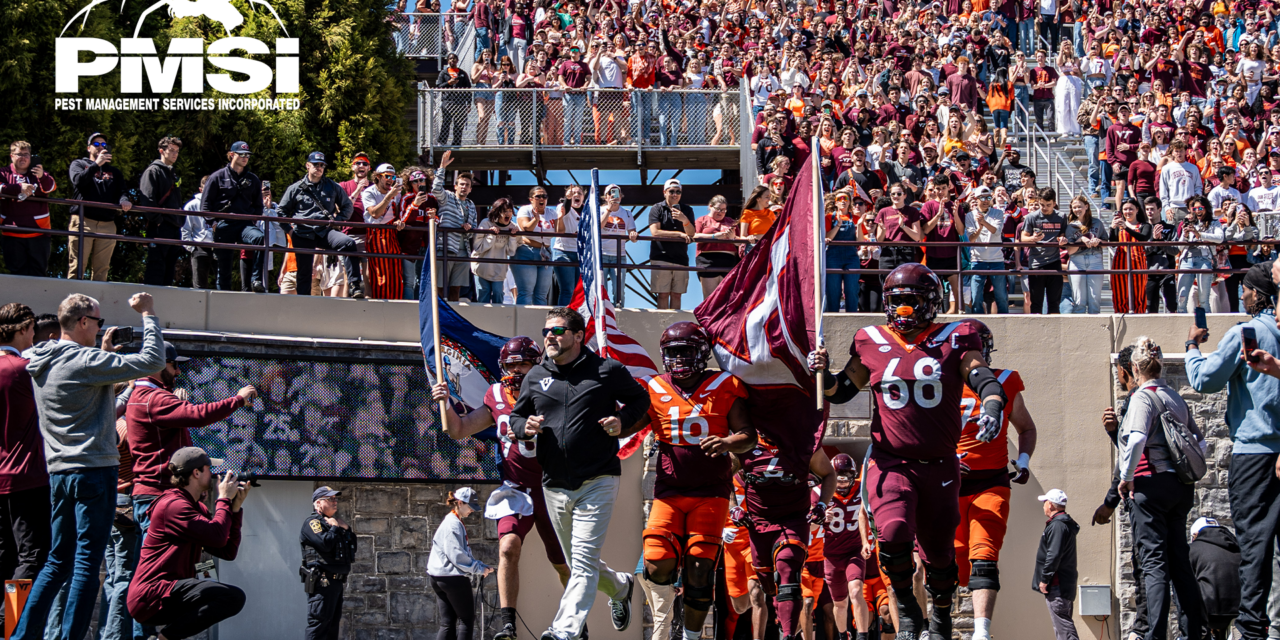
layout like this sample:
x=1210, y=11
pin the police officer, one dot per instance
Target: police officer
x=235, y=189
x=328, y=546
x=316, y=197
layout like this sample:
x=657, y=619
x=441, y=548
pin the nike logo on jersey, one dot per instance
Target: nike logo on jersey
x=947, y=482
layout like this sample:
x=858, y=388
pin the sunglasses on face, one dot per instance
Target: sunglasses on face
x=554, y=331
x=360, y=164
x=98, y=144
x=100, y=321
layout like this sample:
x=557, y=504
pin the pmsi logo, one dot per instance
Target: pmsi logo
x=186, y=57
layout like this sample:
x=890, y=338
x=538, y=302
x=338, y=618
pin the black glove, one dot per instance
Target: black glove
x=739, y=517
x=818, y=513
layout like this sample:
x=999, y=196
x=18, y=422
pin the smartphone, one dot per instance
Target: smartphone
x=1250, y=338
x=1201, y=321
x=122, y=336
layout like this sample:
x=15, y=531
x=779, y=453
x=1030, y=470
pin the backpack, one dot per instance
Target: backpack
x=1183, y=444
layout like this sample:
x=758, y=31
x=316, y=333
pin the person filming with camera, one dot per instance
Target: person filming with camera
x=165, y=592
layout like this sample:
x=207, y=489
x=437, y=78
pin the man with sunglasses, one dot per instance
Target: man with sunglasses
x=235, y=189
x=317, y=197
x=73, y=381
x=670, y=220
x=578, y=404
x=93, y=180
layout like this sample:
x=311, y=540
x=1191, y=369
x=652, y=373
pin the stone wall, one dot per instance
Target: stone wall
x=388, y=594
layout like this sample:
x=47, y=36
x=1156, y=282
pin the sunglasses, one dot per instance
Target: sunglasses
x=540, y=196
x=360, y=163
x=675, y=191
x=555, y=331
x=100, y=321
x=98, y=144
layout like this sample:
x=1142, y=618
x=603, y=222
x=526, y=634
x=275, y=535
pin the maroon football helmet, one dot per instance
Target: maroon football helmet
x=516, y=350
x=843, y=464
x=988, y=339
x=685, y=349
x=912, y=297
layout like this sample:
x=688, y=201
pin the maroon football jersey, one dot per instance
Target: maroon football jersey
x=843, y=539
x=519, y=457
x=775, y=490
x=917, y=388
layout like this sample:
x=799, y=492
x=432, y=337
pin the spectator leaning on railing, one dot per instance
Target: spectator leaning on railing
x=73, y=390
x=93, y=180
x=196, y=229
x=1253, y=404
x=235, y=189
x=159, y=188
x=671, y=220
x=316, y=197
x=25, y=253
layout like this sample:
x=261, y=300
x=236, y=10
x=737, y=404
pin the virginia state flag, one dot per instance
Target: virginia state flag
x=470, y=353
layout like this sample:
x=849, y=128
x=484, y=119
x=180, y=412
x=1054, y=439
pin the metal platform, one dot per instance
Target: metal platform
x=492, y=158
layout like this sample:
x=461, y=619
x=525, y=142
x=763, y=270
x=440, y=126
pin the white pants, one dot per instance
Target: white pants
x=662, y=601
x=581, y=520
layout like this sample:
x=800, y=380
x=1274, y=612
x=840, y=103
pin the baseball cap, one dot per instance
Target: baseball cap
x=192, y=458
x=929, y=145
x=324, y=492
x=942, y=91
x=982, y=192
x=1056, y=496
x=417, y=175
x=861, y=92
x=171, y=353
x=1125, y=106
x=316, y=158
x=240, y=147
x=857, y=150
x=95, y=135
x=467, y=495
x=671, y=184
x=385, y=168
x=1203, y=523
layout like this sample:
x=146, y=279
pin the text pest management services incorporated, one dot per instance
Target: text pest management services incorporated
x=182, y=70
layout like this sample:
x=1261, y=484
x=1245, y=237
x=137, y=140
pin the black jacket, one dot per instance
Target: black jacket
x=96, y=184
x=573, y=398
x=323, y=200
x=328, y=547
x=230, y=192
x=1056, y=557
x=159, y=188
x=1215, y=557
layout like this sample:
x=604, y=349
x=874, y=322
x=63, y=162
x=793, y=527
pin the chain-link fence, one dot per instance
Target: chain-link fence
x=429, y=35
x=481, y=117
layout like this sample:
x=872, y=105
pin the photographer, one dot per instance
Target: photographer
x=165, y=592
x=93, y=180
x=1253, y=402
x=328, y=546
x=235, y=189
x=316, y=197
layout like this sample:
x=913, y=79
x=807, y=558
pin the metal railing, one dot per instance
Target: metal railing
x=544, y=118
x=1064, y=177
x=428, y=35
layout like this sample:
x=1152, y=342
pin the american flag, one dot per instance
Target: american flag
x=603, y=334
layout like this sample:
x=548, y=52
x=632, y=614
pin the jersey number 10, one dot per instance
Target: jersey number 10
x=926, y=388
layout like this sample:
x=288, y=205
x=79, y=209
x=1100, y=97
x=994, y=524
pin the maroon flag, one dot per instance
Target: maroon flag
x=761, y=319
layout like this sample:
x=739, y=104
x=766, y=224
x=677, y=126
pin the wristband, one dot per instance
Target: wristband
x=1191, y=344
x=1024, y=461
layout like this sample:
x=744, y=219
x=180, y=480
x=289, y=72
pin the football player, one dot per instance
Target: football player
x=984, y=488
x=741, y=581
x=817, y=597
x=917, y=370
x=847, y=549
x=777, y=513
x=520, y=468
x=698, y=417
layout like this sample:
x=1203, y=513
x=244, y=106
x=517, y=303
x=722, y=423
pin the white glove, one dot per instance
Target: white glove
x=988, y=428
x=729, y=535
x=813, y=362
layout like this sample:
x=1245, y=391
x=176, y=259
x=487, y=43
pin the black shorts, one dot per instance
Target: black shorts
x=720, y=261
x=943, y=264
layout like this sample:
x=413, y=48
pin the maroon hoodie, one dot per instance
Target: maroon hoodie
x=158, y=423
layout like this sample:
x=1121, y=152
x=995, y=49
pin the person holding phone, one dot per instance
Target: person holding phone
x=26, y=253
x=1253, y=405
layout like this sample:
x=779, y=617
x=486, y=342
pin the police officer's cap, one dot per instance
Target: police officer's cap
x=324, y=492
x=316, y=158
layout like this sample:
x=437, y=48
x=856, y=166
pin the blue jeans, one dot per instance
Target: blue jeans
x=566, y=277
x=611, y=275
x=668, y=119
x=482, y=40
x=640, y=107
x=142, y=517
x=233, y=232
x=83, y=504
x=1000, y=118
x=508, y=117
x=410, y=270
x=489, y=291
x=1204, y=280
x=575, y=117
x=1027, y=37
x=533, y=284
x=1086, y=291
x=1093, y=146
x=122, y=560
x=836, y=280
x=1077, y=38
x=979, y=283
x=1023, y=96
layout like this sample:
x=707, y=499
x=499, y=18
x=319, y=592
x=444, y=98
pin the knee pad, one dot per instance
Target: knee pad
x=661, y=545
x=985, y=575
x=789, y=593
x=941, y=583
x=705, y=547
x=897, y=563
x=698, y=598
x=798, y=547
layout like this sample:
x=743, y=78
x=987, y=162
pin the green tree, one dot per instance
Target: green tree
x=354, y=90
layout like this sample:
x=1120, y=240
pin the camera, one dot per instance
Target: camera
x=122, y=336
x=36, y=160
x=246, y=476
x=266, y=185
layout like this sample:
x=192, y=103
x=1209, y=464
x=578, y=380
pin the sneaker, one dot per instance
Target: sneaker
x=620, y=609
x=552, y=635
x=507, y=632
x=258, y=287
x=910, y=620
x=356, y=293
x=940, y=623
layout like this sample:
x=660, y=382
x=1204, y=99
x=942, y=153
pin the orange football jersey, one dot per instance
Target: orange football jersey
x=987, y=455
x=684, y=422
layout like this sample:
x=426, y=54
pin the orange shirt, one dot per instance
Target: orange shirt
x=987, y=455
x=996, y=101
x=685, y=421
x=758, y=220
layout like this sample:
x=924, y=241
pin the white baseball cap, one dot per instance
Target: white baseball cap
x=385, y=168
x=670, y=184
x=1056, y=496
x=1202, y=523
x=467, y=495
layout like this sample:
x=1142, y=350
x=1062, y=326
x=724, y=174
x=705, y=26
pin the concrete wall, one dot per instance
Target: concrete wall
x=1063, y=359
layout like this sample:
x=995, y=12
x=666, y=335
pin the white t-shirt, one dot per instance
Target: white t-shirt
x=978, y=233
x=615, y=223
x=1251, y=70
x=371, y=197
x=1263, y=199
x=568, y=245
x=609, y=73
x=1219, y=194
x=1048, y=7
x=546, y=222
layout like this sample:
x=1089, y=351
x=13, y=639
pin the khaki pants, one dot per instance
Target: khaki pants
x=98, y=250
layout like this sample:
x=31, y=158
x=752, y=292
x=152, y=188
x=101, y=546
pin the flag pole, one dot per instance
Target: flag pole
x=819, y=248
x=435, y=313
x=596, y=267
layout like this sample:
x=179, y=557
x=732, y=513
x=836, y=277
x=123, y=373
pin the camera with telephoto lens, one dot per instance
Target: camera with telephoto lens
x=246, y=476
